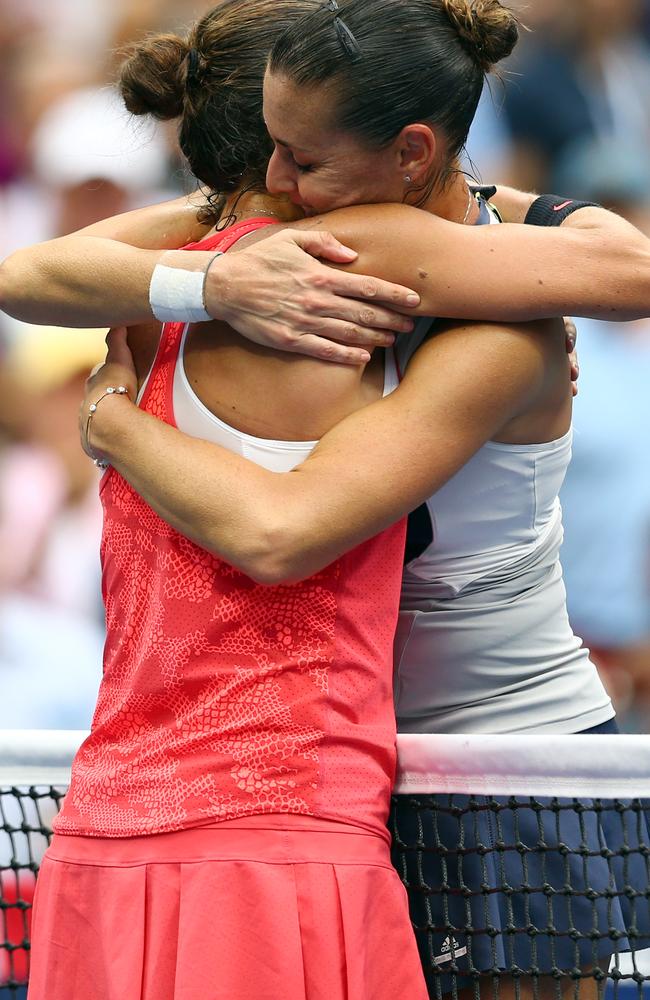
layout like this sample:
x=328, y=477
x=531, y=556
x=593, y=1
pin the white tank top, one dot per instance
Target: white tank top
x=483, y=642
x=194, y=418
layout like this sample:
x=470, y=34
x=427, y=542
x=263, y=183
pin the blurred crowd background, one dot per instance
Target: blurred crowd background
x=571, y=116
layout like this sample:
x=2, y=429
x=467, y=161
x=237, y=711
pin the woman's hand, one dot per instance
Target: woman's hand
x=571, y=335
x=117, y=370
x=278, y=294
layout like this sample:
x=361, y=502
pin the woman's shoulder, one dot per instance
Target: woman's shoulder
x=523, y=366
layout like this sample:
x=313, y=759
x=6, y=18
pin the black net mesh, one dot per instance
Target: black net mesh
x=26, y=815
x=509, y=897
x=527, y=896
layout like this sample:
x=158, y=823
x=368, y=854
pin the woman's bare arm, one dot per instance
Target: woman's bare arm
x=460, y=389
x=595, y=264
x=101, y=275
x=512, y=205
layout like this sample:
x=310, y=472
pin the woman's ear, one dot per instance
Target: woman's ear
x=417, y=148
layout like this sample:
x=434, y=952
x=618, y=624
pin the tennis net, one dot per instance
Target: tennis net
x=526, y=859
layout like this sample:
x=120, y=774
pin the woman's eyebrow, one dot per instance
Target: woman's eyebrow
x=283, y=142
x=291, y=145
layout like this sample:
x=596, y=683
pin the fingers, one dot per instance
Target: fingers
x=571, y=333
x=329, y=350
x=311, y=340
x=352, y=312
x=324, y=245
x=359, y=286
x=347, y=333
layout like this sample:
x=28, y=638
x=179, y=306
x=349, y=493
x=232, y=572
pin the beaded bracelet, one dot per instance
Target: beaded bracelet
x=110, y=390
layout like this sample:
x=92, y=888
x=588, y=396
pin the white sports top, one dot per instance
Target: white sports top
x=194, y=418
x=484, y=643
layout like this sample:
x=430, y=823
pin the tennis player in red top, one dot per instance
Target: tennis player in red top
x=224, y=834
x=240, y=761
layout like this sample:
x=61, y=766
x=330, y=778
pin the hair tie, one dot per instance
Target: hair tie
x=193, y=63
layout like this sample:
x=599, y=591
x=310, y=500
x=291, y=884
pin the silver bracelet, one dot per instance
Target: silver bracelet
x=110, y=390
x=177, y=295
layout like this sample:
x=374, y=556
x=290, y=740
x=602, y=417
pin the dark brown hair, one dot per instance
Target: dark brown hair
x=212, y=80
x=394, y=62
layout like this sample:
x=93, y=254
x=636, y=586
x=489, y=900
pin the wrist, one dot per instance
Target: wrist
x=101, y=422
x=177, y=290
x=216, y=286
x=553, y=209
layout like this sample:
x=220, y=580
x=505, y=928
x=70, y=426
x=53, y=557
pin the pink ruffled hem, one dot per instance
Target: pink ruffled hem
x=308, y=910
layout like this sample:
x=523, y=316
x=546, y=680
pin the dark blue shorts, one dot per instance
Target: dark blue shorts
x=540, y=885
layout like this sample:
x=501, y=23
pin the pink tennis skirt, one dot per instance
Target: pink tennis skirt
x=266, y=908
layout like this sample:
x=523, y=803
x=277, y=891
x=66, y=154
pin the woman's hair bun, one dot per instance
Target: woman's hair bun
x=153, y=76
x=488, y=30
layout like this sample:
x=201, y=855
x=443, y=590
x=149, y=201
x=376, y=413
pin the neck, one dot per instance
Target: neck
x=453, y=202
x=244, y=204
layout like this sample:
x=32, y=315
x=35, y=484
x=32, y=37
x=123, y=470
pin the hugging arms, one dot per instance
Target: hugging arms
x=283, y=298
x=384, y=460
x=461, y=388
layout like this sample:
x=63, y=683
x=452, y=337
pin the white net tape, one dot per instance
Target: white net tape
x=594, y=766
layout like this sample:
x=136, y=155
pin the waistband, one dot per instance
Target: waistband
x=266, y=839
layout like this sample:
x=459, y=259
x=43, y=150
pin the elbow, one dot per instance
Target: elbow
x=5, y=285
x=278, y=568
x=14, y=285
x=640, y=252
x=274, y=573
x=278, y=556
x=633, y=284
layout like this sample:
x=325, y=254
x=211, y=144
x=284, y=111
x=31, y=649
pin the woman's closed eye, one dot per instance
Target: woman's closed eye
x=288, y=156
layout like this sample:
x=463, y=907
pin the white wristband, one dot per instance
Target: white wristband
x=177, y=296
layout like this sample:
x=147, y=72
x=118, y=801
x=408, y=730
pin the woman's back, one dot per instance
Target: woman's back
x=264, y=392
x=484, y=642
x=223, y=698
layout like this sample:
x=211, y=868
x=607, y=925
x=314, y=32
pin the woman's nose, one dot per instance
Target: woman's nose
x=279, y=178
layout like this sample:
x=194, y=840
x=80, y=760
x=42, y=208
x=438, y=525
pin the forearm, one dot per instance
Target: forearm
x=82, y=282
x=361, y=478
x=85, y=281
x=619, y=261
x=578, y=270
x=277, y=528
x=100, y=275
x=227, y=505
x=604, y=270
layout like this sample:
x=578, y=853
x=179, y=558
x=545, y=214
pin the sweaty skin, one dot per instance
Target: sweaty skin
x=100, y=276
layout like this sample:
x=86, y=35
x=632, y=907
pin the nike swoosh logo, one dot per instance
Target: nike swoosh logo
x=558, y=208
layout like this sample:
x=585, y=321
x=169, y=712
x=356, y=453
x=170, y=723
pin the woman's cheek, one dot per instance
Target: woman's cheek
x=326, y=197
x=316, y=198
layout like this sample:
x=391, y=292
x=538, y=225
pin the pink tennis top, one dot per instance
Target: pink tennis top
x=223, y=698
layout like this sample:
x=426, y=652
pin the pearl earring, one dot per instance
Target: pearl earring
x=408, y=179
